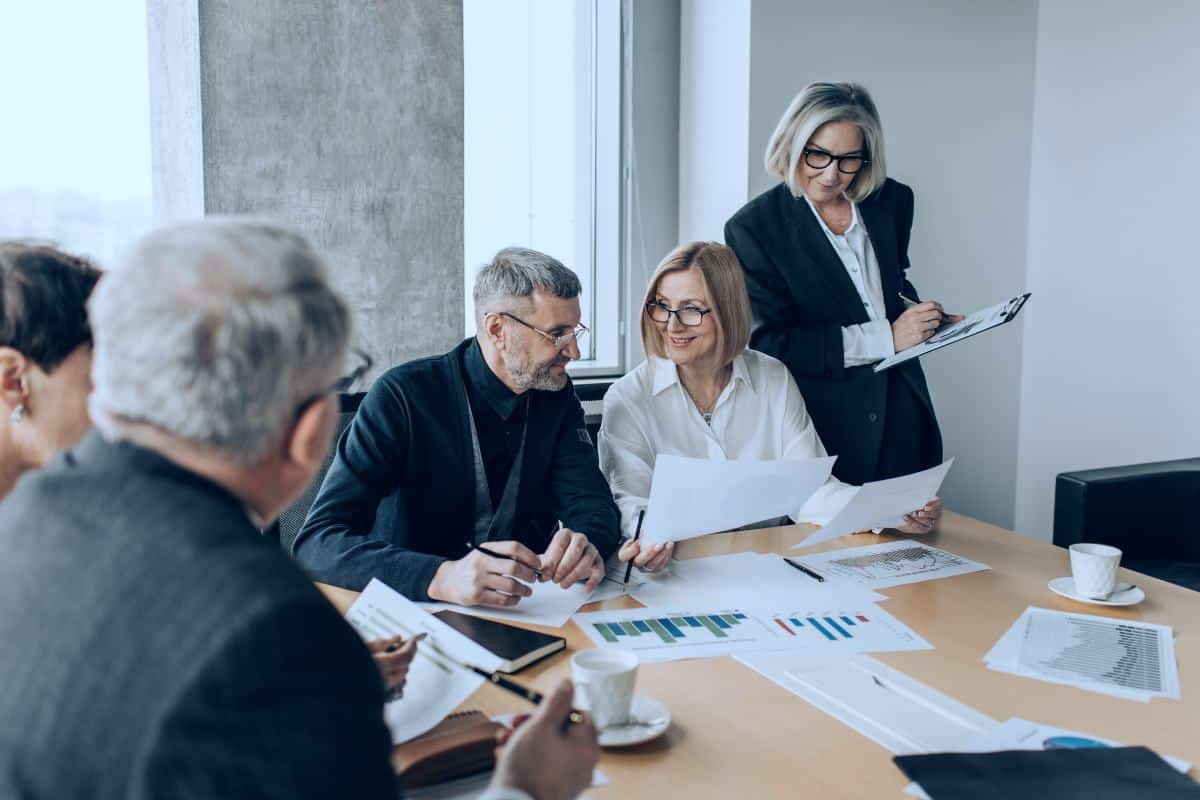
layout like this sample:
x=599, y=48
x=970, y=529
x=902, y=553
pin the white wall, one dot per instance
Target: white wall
x=714, y=82
x=954, y=87
x=1111, y=372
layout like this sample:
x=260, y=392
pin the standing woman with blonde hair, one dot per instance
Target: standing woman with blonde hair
x=702, y=393
x=45, y=355
x=825, y=254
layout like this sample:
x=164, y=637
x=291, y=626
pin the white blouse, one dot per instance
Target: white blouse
x=760, y=415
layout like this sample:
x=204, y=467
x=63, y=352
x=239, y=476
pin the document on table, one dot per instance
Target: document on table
x=899, y=713
x=742, y=580
x=549, y=605
x=1021, y=734
x=691, y=497
x=657, y=634
x=983, y=320
x=1123, y=658
x=433, y=689
x=882, y=504
x=878, y=566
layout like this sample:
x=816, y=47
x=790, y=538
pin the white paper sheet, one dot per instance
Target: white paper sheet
x=549, y=605
x=658, y=634
x=742, y=580
x=1122, y=658
x=691, y=497
x=878, y=566
x=431, y=691
x=882, y=504
x=613, y=584
x=1020, y=734
x=897, y=712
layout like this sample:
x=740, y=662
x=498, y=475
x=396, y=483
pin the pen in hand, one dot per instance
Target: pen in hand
x=494, y=554
x=636, y=534
x=947, y=319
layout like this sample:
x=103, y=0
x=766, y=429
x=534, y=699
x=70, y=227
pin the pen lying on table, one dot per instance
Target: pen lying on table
x=810, y=573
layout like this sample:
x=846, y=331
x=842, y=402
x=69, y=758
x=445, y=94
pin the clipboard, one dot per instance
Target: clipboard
x=974, y=324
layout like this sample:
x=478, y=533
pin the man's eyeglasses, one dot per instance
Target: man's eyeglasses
x=561, y=340
x=363, y=363
x=691, y=316
x=847, y=164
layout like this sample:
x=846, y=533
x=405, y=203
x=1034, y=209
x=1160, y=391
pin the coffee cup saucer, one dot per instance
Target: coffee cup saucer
x=1065, y=587
x=648, y=719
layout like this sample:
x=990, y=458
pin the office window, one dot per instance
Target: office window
x=542, y=149
x=75, y=141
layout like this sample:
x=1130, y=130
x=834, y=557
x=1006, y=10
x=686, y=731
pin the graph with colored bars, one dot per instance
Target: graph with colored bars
x=832, y=628
x=672, y=629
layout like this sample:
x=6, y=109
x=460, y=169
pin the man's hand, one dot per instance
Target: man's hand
x=393, y=657
x=571, y=558
x=652, y=559
x=918, y=323
x=477, y=579
x=924, y=519
x=547, y=757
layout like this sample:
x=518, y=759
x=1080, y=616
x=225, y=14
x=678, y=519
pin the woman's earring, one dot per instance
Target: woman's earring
x=17, y=414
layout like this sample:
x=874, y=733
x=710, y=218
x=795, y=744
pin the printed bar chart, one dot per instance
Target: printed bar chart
x=670, y=629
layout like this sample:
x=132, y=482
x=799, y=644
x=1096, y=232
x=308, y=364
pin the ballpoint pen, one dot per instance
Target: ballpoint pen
x=494, y=554
x=810, y=573
x=636, y=534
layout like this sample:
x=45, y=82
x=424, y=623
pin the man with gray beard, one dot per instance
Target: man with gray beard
x=482, y=446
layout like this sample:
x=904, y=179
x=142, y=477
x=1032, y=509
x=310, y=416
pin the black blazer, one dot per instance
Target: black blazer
x=154, y=644
x=801, y=297
x=399, y=497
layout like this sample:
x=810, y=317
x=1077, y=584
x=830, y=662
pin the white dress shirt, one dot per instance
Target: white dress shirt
x=870, y=341
x=760, y=415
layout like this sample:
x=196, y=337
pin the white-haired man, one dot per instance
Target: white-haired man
x=157, y=645
x=482, y=446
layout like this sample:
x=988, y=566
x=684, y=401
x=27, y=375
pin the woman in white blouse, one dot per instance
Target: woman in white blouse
x=701, y=393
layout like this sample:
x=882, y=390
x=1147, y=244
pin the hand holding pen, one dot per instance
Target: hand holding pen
x=498, y=575
x=650, y=559
x=918, y=322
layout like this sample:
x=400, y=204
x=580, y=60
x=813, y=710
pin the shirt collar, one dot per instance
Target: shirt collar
x=855, y=219
x=502, y=399
x=666, y=374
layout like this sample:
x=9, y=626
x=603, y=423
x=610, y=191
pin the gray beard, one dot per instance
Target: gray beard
x=529, y=376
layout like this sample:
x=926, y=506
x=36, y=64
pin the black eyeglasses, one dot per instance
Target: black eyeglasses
x=847, y=164
x=344, y=383
x=691, y=316
x=559, y=341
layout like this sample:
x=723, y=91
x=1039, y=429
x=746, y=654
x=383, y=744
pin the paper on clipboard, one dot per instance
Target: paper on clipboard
x=978, y=322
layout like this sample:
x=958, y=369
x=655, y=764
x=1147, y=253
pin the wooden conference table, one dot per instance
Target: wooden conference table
x=734, y=733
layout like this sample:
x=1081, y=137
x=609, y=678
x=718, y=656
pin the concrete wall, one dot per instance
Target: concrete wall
x=1111, y=371
x=346, y=120
x=954, y=86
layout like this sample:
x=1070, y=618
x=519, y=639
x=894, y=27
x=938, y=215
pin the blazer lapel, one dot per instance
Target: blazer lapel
x=882, y=233
x=466, y=448
x=823, y=260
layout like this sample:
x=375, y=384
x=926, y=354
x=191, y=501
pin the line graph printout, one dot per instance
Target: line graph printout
x=878, y=566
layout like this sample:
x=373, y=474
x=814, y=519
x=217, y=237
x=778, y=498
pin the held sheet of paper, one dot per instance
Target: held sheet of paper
x=882, y=504
x=691, y=497
x=432, y=691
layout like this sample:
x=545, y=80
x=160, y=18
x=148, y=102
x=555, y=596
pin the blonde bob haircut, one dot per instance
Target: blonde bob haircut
x=816, y=105
x=721, y=273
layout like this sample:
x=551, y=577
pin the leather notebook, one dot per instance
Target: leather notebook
x=517, y=646
x=460, y=745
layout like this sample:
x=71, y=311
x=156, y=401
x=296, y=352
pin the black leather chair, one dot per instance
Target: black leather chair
x=1147, y=510
x=285, y=529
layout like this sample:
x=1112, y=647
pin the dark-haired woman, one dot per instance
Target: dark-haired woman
x=45, y=355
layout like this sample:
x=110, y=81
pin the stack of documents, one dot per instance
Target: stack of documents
x=1122, y=658
x=878, y=566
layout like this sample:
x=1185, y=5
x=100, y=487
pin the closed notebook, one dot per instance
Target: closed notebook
x=517, y=646
x=1108, y=773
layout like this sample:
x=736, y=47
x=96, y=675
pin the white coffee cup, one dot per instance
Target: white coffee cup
x=1094, y=568
x=604, y=680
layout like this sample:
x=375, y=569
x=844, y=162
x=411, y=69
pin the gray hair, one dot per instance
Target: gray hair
x=816, y=105
x=515, y=273
x=215, y=332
